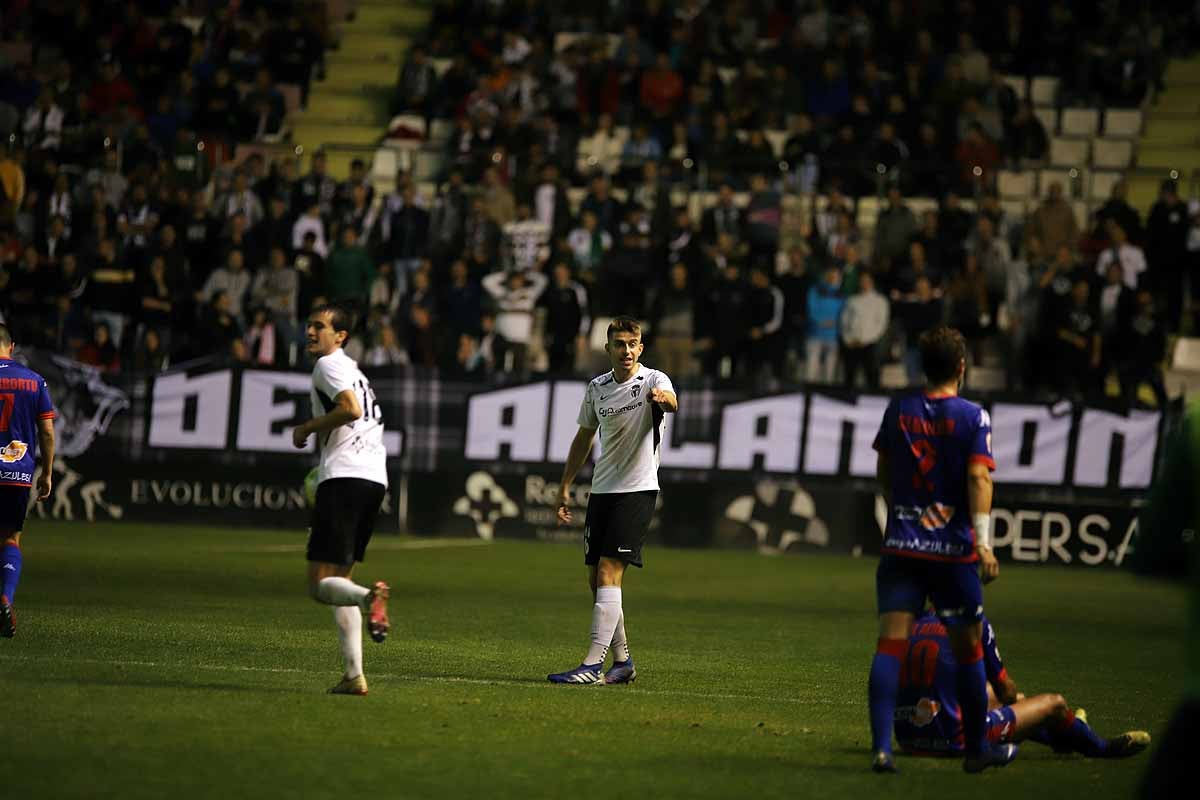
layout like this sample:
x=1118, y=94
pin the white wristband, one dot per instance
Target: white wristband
x=983, y=530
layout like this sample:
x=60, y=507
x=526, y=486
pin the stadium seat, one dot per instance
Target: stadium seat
x=1043, y=90
x=383, y=169
x=1060, y=176
x=1112, y=153
x=893, y=376
x=1079, y=122
x=599, y=333
x=440, y=65
x=986, y=379
x=1101, y=184
x=919, y=205
x=1015, y=185
x=1069, y=152
x=1080, y=209
x=1015, y=209
x=868, y=212
x=777, y=139
x=1123, y=122
x=728, y=75
x=440, y=130
x=565, y=39
x=1186, y=355
x=1049, y=119
x=1019, y=84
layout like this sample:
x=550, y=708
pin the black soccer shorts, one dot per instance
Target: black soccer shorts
x=343, y=519
x=616, y=526
x=14, y=502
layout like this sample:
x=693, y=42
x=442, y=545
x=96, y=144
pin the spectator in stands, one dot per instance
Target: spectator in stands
x=264, y=108
x=599, y=201
x=918, y=313
x=994, y=258
x=864, y=322
x=311, y=224
x=110, y=286
x=763, y=220
x=602, y=150
x=673, y=323
x=1117, y=208
x=1130, y=257
x=317, y=187
x=482, y=237
x=661, y=90
x=722, y=322
x=639, y=150
x=825, y=303
x=568, y=323
x=158, y=299
x=233, y=280
x=1054, y=221
x=590, y=245
x=386, y=351
x=261, y=338
x=550, y=204
x=1025, y=138
x=1077, y=330
x=1167, y=230
x=977, y=157
x=1140, y=345
x=765, y=316
x=350, y=271
x=151, y=355
x=417, y=87
x=894, y=227
x=241, y=199
x=276, y=288
x=498, y=200
x=723, y=218
x=970, y=306
x=418, y=320
x=461, y=303
x=405, y=236
x=515, y=295
x=100, y=351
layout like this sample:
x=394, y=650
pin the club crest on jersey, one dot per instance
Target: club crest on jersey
x=634, y=390
x=13, y=451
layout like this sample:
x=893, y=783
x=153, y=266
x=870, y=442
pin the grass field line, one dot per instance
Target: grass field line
x=528, y=683
x=376, y=545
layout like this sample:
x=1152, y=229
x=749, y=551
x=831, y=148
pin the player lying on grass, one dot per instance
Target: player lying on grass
x=928, y=719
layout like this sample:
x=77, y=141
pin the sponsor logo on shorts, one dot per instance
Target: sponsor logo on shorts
x=13, y=451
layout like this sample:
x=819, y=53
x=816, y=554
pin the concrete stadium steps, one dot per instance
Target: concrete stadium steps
x=1183, y=70
x=1164, y=128
x=1180, y=157
x=351, y=106
x=348, y=76
x=1181, y=98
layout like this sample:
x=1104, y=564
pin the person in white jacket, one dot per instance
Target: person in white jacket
x=516, y=295
x=864, y=322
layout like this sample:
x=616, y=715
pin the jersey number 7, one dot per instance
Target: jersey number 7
x=7, y=401
x=926, y=455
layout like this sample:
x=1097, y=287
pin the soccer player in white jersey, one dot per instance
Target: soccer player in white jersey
x=352, y=480
x=627, y=406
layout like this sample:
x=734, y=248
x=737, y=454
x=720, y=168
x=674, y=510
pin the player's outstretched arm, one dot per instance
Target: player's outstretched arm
x=979, y=497
x=46, y=448
x=581, y=445
x=346, y=409
x=666, y=399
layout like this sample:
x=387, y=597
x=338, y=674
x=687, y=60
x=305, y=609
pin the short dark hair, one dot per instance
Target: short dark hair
x=942, y=350
x=340, y=317
x=624, y=325
x=5, y=336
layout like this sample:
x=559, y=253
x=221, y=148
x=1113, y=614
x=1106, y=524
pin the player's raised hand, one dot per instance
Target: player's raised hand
x=299, y=437
x=659, y=395
x=989, y=567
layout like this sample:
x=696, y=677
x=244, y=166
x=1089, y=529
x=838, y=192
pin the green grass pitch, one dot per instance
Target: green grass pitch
x=188, y=662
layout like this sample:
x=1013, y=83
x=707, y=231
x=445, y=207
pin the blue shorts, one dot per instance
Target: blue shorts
x=904, y=584
x=14, y=502
x=1001, y=726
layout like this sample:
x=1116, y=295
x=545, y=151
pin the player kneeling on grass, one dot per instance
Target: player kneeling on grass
x=351, y=484
x=928, y=717
x=627, y=405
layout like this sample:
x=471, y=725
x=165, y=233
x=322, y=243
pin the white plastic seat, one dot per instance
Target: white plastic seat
x=1015, y=185
x=1102, y=184
x=1043, y=90
x=1080, y=122
x=1112, y=153
x=1069, y=152
x=1123, y=122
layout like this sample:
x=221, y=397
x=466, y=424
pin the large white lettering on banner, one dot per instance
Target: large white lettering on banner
x=194, y=412
x=191, y=411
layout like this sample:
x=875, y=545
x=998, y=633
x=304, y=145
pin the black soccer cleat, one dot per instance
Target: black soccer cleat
x=8, y=618
x=883, y=762
x=1127, y=744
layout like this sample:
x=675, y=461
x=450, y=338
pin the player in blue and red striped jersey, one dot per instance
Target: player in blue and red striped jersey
x=26, y=422
x=928, y=720
x=934, y=468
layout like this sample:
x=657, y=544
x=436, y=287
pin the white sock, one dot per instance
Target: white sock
x=605, y=615
x=620, y=646
x=349, y=623
x=341, y=592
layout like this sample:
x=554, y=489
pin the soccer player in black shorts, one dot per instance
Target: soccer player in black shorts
x=627, y=405
x=351, y=485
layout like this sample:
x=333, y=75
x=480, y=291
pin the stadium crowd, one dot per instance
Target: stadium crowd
x=127, y=240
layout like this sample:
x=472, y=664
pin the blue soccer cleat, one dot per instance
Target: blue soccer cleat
x=584, y=675
x=620, y=672
x=883, y=762
x=998, y=756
